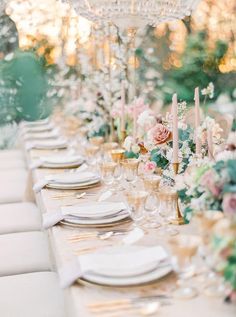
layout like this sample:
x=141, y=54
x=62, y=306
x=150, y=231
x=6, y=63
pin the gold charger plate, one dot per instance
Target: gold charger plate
x=62, y=167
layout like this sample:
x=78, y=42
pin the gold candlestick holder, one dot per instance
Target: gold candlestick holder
x=123, y=136
x=178, y=220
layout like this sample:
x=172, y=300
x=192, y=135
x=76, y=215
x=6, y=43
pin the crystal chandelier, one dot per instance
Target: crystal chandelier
x=134, y=13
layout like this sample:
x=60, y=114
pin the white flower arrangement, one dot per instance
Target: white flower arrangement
x=146, y=120
x=130, y=145
x=209, y=90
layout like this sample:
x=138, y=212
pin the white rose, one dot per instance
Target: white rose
x=128, y=143
x=135, y=148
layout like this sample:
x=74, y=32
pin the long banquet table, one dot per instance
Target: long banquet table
x=78, y=296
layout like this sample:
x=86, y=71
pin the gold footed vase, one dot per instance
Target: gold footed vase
x=178, y=220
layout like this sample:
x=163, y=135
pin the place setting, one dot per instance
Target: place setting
x=119, y=266
x=62, y=161
x=60, y=143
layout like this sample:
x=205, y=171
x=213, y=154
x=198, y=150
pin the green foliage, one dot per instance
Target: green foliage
x=159, y=158
x=103, y=131
x=200, y=65
x=130, y=154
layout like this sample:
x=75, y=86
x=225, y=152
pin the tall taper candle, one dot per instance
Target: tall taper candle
x=197, y=121
x=122, y=120
x=210, y=143
x=175, y=129
x=134, y=120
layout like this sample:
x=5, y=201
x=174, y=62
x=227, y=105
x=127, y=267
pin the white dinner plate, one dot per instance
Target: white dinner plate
x=62, y=161
x=53, y=134
x=94, y=209
x=49, y=144
x=36, y=123
x=72, y=178
x=128, y=281
x=40, y=128
x=79, y=221
x=84, y=185
x=125, y=270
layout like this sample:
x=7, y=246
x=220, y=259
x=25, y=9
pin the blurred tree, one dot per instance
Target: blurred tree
x=23, y=79
x=199, y=66
x=8, y=35
x=25, y=74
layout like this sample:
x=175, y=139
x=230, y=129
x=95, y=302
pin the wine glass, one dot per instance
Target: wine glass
x=136, y=201
x=167, y=197
x=96, y=140
x=130, y=170
x=206, y=220
x=91, y=152
x=151, y=185
x=117, y=155
x=184, y=247
x=107, y=147
x=107, y=170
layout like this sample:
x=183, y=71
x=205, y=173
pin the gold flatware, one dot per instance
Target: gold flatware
x=90, y=249
x=143, y=309
x=72, y=195
x=99, y=235
x=122, y=301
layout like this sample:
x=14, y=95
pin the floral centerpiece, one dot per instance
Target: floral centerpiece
x=211, y=186
x=224, y=243
x=154, y=139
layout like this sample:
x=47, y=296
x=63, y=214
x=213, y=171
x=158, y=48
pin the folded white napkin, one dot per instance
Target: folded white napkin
x=82, y=210
x=50, y=219
x=120, y=261
x=35, y=164
x=40, y=185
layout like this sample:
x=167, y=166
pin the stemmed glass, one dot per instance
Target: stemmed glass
x=107, y=170
x=117, y=156
x=206, y=220
x=107, y=147
x=91, y=152
x=151, y=185
x=167, y=197
x=184, y=247
x=96, y=140
x=136, y=202
x=130, y=170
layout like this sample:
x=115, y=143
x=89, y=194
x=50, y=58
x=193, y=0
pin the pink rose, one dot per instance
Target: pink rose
x=150, y=166
x=159, y=134
x=229, y=204
x=208, y=180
